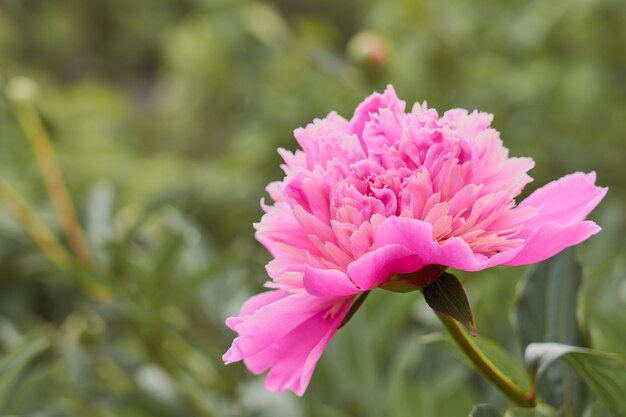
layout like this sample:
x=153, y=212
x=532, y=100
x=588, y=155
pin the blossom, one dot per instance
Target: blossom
x=391, y=192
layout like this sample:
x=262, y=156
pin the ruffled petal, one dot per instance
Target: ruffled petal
x=374, y=104
x=258, y=301
x=328, y=282
x=551, y=238
x=286, y=336
x=270, y=323
x=564, y=201
x=374, y=268
x=253, y=304
x=297, y=354
x=405, y=245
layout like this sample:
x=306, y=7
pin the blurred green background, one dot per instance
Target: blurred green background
x=165, y=116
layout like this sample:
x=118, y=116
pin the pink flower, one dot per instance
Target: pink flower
x=388, y=193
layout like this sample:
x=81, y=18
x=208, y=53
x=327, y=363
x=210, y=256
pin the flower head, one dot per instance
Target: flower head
x=391, y=192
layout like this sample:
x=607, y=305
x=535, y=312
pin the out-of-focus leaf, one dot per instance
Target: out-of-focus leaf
x=14, y=362
x=542, y=410
x=403, y=398
x=256, y=397
x=546, y=306
x=604, y=373
x=99, y=226
x=446, y=296
x=484, y=410
x=546, y=312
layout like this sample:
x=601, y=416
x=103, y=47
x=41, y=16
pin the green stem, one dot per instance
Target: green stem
x=45, y=239
x=35, y=228
x=44, y=153
x=484, y=365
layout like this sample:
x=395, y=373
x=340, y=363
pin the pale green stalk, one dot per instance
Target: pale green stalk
x=44, y=153
x=36, y=229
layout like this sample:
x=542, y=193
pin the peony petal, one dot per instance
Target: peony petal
x=418, y=250
x=374, y=268
x=272, y=322
x=299, y=352
x=566, y=200
x=292, y=359
x=261, y=300
x=253, y=304
x=328, y=282
x=550, y=239
x=373, y=104
x=313, y=357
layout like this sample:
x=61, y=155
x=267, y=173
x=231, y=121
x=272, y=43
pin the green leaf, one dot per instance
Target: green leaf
x=99, y=219
x=546, y=306
x=546, y=312
x=446, y=296
x=542, y=410
x=604, y=373
x=12, y=364
x=484, y=410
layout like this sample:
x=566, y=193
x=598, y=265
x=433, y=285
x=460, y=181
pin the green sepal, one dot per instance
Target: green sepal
x=447, y=296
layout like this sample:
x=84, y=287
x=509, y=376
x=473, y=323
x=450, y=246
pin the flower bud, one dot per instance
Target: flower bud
x=22, y=90
x=369, y=50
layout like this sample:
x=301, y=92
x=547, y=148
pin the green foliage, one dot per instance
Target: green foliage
x=546, y=306
x=13, y=363
x=546, y=312
x=541, y=411
x=484, y=410
x=165, y=116
x=604, y=373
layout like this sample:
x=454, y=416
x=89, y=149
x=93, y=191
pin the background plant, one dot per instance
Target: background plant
x=164, y=117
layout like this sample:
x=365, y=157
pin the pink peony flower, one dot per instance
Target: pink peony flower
x=386, y=193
